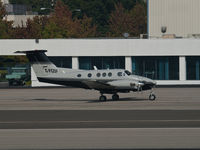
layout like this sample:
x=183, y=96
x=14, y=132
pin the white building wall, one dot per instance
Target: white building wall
x=182, y=68
x=181, y=17
x=5, y=1
x=19, y=20
x=105, y=47
x=110, y=47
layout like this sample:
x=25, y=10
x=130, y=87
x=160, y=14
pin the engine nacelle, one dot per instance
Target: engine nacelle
x=125, y=84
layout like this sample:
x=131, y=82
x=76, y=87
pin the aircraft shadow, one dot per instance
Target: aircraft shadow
x=121, y=99
x=90, y=101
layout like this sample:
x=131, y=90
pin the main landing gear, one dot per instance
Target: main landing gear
x=102, y=98
x=114, y=97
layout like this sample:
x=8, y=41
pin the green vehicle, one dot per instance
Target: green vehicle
x=18, y=76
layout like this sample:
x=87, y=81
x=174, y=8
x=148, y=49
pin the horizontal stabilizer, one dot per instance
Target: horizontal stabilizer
x=32, y=51
x=36, y=56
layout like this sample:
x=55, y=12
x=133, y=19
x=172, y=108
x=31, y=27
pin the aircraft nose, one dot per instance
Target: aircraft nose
x=154, y=82
x=151, y=82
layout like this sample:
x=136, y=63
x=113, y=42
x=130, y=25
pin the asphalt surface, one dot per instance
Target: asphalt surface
x=80, y=99
x=65, y=118
x=98, y=138
x=38, y=119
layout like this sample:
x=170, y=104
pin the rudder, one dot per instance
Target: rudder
x=41, y=64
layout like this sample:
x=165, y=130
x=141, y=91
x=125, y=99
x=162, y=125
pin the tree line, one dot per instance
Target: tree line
x=98, y=19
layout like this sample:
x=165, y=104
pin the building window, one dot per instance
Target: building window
x=89, y=75
x=109, y=74
x=79, y=75
x=98, y=74
x=87, y=63
x=193, y=67
x=62, y=62
x=104, y=74
x=157, y=68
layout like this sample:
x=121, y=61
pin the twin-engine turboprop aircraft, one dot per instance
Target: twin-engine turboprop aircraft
x=110, y=81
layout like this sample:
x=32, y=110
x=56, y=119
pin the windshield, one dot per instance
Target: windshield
x=128, y=72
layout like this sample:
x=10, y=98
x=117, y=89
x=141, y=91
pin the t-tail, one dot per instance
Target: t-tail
x=41, y=64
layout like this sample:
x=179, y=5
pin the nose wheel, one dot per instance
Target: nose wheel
x=152, y=97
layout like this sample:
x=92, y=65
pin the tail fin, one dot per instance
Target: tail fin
x=42, y=66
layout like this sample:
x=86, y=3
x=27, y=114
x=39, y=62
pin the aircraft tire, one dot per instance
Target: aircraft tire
x=115, y=97
x=102, y=98
x=152, y=97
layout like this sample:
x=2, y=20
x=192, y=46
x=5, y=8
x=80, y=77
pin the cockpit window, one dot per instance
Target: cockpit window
x=128, y=72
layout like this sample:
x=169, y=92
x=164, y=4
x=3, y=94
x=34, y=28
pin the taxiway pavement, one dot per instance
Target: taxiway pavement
x=45, y=119
x=66, y=118
x=80, y=99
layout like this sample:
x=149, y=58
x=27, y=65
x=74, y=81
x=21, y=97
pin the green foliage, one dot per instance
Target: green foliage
x=81, y=19
x=2, y=11
x=5, y=26
x=133, y=22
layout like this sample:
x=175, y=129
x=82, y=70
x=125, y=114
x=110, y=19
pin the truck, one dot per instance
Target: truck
x=17, y=76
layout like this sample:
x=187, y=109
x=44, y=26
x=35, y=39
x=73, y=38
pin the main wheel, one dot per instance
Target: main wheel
x=115, y=97
x=102, y=98
x=152, y=97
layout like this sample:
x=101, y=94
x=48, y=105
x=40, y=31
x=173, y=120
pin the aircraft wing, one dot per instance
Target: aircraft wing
x=116, y=84
x=97, y=84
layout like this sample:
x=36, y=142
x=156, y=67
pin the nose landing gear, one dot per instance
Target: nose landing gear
x=152, y=97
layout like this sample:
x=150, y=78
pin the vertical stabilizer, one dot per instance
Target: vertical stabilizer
x=42, y=66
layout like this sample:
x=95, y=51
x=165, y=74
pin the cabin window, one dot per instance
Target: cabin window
x=119, y=74
x=98, y=74
x=79, y=75
x=109, y=74
x=104, y=74
x=89, y=75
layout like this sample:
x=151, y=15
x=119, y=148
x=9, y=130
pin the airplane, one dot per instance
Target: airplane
x=107, y=81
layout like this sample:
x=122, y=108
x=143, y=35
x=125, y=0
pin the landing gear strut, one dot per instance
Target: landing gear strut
x=115, y=97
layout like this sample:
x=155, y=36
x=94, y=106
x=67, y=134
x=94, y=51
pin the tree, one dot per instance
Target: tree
x=5, y=26
x=139, y=15
x=120, y=22
x=62, y=25
x=86, y=27
x=133, y=22
x=32, y=29
x=35, y=26
x=2, y=11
